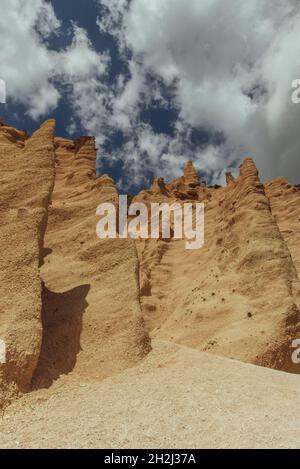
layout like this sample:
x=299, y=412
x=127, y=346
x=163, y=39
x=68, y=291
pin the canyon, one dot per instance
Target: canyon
x=142, y=343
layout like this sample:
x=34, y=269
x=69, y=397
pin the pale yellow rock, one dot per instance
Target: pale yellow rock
x=26, y=183
x=76, y=312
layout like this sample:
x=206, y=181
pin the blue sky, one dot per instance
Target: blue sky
x=84, y=13
x=158, y=82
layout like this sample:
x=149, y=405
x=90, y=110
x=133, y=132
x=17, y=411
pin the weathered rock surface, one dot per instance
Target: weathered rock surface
x=191, y=177
x=26, y=183
x=92, y=322
x=82, y=308
x=238, y=296
x=75, y=310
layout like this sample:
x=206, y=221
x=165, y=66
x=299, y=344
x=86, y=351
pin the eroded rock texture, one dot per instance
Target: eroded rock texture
x=26, y=183
x=92, y=319
x=75, y=307
x=80, y=312
x=238, y=296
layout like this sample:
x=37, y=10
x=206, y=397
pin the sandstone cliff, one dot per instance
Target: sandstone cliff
x=75, y=308
x=68, y=301
x=26, y=183
x=92, y=322
x=239, y=295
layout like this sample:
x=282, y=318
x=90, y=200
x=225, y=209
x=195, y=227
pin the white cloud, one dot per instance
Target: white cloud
x=80, y=61
x=230, y=65
x=112, y=20
x=127, y=99
x=31, y=70
x=233, y=64
x=47, y=23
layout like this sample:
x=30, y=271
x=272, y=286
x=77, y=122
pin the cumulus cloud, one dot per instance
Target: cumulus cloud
x=113, y=13
x=231, y=65
x=223, y=70
x=33, y=72
x=46, y=22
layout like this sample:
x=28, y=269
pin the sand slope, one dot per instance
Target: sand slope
x=177, y=398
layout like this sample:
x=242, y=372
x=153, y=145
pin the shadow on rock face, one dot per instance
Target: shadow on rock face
x=62, y=324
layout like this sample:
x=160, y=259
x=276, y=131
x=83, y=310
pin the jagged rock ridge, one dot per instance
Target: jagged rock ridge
x=26, y=183
x=69, y=301
x=239, y=295
x=73, y=307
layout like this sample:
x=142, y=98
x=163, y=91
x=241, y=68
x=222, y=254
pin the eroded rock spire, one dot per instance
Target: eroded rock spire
x=190, y=175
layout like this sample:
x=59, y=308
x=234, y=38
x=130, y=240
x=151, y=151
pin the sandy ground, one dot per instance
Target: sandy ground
x=176, y=398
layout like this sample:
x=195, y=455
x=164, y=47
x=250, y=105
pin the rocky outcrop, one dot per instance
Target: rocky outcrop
x=159, y=187
x=238, y=296
x=26, y=183
x=229, y=179
x=75, y=309
x=285, y=205
x=92, y=320
x=72, y=304
x=188, y=186
x=191, y=177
